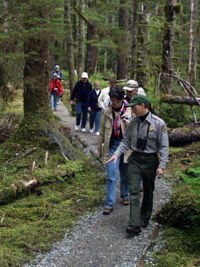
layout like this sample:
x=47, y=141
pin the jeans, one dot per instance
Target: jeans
x=81, y=113
x=54, y=100
x=112, y=174
x=95, y=118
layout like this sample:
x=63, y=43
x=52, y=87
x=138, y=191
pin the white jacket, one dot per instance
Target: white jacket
x=102, y=100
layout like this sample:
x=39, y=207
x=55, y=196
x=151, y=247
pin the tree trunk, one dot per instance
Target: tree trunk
x=92, y=49
x=184, y=135
x=80, y=60
x=134, y=37
x=143, y=47
x=123, y=46
x=70, y=49
x=38, y=125
x=175, y=99
x=192, y=54
x=168, y=45
x=36, y=70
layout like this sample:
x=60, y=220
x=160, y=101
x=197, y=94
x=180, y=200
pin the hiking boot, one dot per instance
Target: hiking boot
x=144, y=223
x=133, y=230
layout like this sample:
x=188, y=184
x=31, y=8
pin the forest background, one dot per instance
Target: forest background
x=154, y=42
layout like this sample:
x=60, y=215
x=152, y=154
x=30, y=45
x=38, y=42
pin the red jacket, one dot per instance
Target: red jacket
x=56, y=84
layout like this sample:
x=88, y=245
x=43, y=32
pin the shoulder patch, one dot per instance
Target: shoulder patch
x=164, y=128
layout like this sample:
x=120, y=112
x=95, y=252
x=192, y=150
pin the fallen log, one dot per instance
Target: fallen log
x=175, y=99
x=184, y=135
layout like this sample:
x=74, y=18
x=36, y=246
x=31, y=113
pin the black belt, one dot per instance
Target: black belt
x=142, y=154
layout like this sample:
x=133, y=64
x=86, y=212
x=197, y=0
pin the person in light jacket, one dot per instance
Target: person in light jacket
x=112, y=128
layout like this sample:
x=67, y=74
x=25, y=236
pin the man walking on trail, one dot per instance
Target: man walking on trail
x=79, y=97
x=146, y=135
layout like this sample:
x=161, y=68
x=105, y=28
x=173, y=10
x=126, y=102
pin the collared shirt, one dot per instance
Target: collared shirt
x=157, y=137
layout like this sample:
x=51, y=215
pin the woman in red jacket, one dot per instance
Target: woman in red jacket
x=55, y=90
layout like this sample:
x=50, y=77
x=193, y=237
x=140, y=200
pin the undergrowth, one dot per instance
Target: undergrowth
x=181, y=215
x=31, y=224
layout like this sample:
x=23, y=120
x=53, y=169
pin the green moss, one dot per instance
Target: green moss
x=33, y=223
x=181, y=248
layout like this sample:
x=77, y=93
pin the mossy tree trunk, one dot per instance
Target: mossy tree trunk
x=122, y=40
x=143, y=45
x=134, y=28
x=70, y=45
x=81, y=38
x=36, y=70
x=168, y=45
x=38, y=124
x=192, y=53
x=92, y=41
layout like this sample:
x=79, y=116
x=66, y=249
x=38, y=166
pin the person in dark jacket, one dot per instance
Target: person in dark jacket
x=56, y=69
x=94, y=109
x=79, y=97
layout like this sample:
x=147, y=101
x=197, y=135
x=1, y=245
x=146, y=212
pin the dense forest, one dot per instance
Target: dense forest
x=153, y=42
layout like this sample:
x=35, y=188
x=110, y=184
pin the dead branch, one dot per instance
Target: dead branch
x=185, y=85
x=65, y=156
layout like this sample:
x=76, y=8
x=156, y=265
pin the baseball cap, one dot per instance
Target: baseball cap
x=84, y=75
x=131, y=85
x=138, y=99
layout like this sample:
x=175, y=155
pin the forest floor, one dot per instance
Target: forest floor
x=100, y=240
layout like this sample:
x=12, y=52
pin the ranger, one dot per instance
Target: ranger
x=146, y=135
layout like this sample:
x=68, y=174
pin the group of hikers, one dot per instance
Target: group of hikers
x=133, y=142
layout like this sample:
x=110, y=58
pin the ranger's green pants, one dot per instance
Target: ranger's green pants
x=143, y=168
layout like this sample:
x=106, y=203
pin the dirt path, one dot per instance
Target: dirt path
x=101, y=241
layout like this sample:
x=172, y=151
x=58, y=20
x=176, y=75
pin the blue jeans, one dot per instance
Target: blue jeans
x=54, y=100
x=112, y=174
x=81, y=113
x=95, y=118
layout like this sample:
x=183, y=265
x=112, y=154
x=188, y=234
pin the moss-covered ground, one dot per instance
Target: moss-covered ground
x=181, y=216
x=32, y=218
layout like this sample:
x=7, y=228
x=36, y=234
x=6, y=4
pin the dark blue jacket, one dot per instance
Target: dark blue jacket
x=81, y=91
x=92, y=100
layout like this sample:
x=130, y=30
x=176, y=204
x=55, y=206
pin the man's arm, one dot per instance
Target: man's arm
x=163, y=145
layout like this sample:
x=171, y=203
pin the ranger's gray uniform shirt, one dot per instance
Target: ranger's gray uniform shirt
x=157, y=139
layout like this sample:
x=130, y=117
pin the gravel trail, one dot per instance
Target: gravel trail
x=98, y=240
